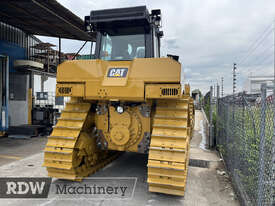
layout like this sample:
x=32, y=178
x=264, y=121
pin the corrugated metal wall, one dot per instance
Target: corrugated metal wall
x=17, y=45
x=19, y=38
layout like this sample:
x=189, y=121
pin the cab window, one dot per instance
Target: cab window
x=122, y=47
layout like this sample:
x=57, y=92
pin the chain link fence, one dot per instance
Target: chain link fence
x=209, y=109
x=245, y=139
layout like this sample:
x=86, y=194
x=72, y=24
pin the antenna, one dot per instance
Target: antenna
x=234, y=77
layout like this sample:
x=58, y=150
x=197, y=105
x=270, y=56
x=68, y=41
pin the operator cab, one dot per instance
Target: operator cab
x=125, y=33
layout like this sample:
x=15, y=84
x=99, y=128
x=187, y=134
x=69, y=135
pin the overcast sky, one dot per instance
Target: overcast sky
x=208, y=35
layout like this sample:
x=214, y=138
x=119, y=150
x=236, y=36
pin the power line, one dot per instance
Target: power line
x=272, y=55
x=262, y=54
x=254, y=49
x=252, y=46
x=260, y=63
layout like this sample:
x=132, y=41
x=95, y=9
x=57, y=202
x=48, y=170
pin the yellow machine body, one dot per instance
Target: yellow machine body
x=157, y=119
x=88, y=79
x=135, y=105
x=145, y=81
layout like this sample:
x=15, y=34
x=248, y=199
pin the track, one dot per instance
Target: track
x=169, y=148
x=71, y=151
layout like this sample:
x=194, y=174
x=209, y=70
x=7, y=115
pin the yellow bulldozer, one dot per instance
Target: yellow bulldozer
x=127, y=98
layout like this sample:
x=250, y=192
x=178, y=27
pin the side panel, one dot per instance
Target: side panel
x=116, y=80
x=155, y=70
x=134, y=90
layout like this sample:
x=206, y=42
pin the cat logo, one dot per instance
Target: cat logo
x=117, y=72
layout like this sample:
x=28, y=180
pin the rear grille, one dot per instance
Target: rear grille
x=169, y=92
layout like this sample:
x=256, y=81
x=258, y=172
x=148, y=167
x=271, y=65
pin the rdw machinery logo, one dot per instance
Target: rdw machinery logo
x=24, y=187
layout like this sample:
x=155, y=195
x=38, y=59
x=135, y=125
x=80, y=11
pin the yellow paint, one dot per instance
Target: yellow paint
x=71, y=141
x=90, y=80
x=123, y=132
x=134, y=91
x=187, y=89
x=10, y=157
x=148, y=70
x=169, y=147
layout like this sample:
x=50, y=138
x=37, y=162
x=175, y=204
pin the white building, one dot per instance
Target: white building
x=253, y=83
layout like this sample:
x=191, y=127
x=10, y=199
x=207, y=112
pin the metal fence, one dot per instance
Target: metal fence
x=209, y=109
x=245, y=138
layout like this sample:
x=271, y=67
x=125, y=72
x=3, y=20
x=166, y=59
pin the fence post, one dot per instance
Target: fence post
x=211, y=118
x=262, y=146
x=217, y=116
x=233, y=137
x=243, y=115
x=272, y=202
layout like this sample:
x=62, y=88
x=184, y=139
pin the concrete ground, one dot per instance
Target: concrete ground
x=205, y=186
x=12, y=149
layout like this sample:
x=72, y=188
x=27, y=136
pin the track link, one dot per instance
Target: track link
x=169, y=148
x=71, y=151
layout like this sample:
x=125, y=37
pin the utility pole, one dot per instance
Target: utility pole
x=214, y=90
x=273, y=138
x=218, y=86
x=274, y=57
x=234, y=77
x=217, y=114
x=222, y=87
x=211, y=118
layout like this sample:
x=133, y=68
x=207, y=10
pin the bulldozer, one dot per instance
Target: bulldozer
x=126, y=99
